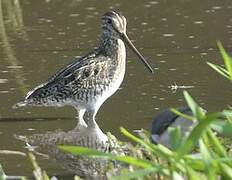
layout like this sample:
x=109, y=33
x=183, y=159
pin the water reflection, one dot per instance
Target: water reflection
x=13, y=15
x=46, y=144
x=57, y=33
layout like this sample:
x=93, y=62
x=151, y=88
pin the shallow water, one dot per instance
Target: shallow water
x=38, y=38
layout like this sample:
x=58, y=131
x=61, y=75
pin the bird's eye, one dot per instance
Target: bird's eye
x=109, y=21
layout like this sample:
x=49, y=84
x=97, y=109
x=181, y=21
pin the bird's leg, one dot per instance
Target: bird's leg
x=80, y=121
x=89, y=118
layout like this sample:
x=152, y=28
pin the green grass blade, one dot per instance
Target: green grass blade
x=192, y=174
x=137, y=173
x=219, y=69
x=227, y=170
x=194, y=163
x=222, y=127
x=227, y=160
x=2, y=174
x=196, y=109
x=190, y=118
x=175, y=138
x=216, y=145
x=205, y=152
x=227, y=59
x=177, y=176
x=210, y=171
x=38, y=172
x=159, y=150
x=78, y=150
x=188, y=145
x=136, y=139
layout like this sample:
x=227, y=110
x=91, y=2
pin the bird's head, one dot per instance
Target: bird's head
x=114, y=22
x=114, y=25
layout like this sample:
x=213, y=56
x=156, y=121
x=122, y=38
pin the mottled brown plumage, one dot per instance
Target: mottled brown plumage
x=87, y=82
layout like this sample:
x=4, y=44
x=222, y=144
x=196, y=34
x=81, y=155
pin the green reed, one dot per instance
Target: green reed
x=204, y=154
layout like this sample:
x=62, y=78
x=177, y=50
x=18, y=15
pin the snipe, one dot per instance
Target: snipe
x=87, y=82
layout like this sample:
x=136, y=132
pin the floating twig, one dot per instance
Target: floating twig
x=174, y=87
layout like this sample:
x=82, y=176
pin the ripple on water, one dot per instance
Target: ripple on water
x=144, y=23
x=81, y=23
x=191, y=37
x=31, y=129
x=143, y=94
x=159, y=54
x=147, y=5
x=203, y=53
x=4, y=92
x=49, y=38
x=14, y=67
x=3, y=81
x=195, y=47
x=42, y=20
x=153, y=2
x=172, y=69
x=61, y=33
x=74, y=15
x=216, y=7
x=198, y=22
x=90, y=8
x=168, y=35
x=164, y=19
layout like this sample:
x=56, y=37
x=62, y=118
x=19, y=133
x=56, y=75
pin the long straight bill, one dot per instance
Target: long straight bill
x=133, y=48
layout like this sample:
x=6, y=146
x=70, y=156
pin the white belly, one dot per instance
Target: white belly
x=118, y=77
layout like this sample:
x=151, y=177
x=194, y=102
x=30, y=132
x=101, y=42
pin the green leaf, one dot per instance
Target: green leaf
x=219, y=69
x=2, y=174
x=159, y=149
x=176, y=176
x=196, y=109
x=38, y=172
x=77, y=177
x=77, y=150
x=227, y=160
x=222, y=127
x=227, y=71
x=227, y=170
x=210, y=171
x=204, y=152
x=188, y=144
x=175, y=138
x=192, y=174
x=185, y=116
x=228, y=114
x=216, y=145
x=227, y=59
x=194, y=162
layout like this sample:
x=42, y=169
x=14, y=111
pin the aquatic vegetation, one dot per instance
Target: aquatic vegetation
x=38, y=173
x=211, y=159
x=227, y=71
x=204, y=153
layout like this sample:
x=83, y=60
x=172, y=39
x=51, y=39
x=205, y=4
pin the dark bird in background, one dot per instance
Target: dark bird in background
x=166, y=119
